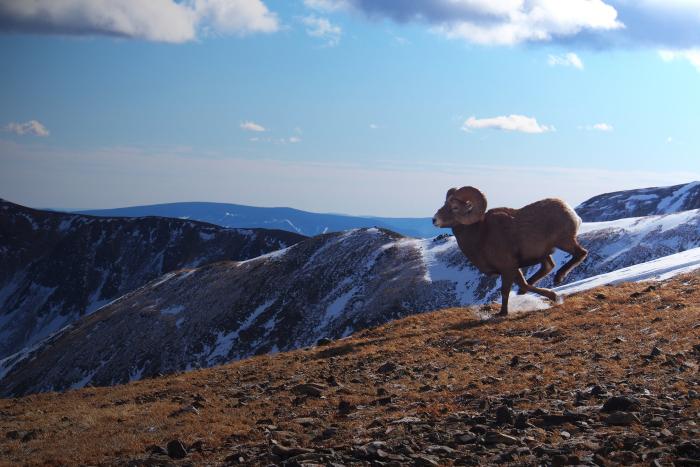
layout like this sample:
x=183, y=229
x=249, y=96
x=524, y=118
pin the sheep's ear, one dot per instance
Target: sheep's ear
x=476, y=199
x=450, y=192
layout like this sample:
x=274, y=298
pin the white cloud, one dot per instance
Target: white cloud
x=373, y=126
x=569, y=59
x=252, y=126
x=154, y=20
x=504, y=22
x=32, y=127
x=606, y=127
x=535, y=21
x=603, y=127
x=236, y=16
x=671, y=24
x=519, y=123
x=322, y=28
x=294, y=139
x=691, y=55
x=327, y=5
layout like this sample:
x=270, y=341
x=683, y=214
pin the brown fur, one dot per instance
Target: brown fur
x=503, y=240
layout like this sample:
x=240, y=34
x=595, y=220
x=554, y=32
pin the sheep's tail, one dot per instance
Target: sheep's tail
x=574, y=215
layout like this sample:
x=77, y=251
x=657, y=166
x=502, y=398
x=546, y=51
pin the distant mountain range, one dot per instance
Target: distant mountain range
x=328, y=286
x=292, y=220
x=56, y=268
x=641, y=202
x=609, y=206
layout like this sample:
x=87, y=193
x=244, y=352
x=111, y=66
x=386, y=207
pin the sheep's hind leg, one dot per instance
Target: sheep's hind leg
x=546, y=267
x=578, y=254
x=506, y=284
x=520, y=280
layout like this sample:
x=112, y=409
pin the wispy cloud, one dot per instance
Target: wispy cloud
x=327, y=5
x=153, y=20
x=518, y=123
x=270, y=140
x=606, y=127
x=373, y=126
x=252, y=126
x=32, y=127
x=569, y=59
x=691, y=55
x=322, y=28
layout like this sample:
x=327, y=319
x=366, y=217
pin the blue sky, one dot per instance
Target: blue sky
x=345, y=105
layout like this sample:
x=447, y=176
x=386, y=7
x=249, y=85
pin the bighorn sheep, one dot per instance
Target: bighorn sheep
x=503, y=240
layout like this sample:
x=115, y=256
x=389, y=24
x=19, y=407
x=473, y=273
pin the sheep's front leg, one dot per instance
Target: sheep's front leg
x=520, y=280
x=506, y=284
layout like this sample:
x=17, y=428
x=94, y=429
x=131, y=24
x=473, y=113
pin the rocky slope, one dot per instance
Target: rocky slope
x=328, y=286
x=56, y=268
x=608, y=378
x=641, y=202
x=292, y=220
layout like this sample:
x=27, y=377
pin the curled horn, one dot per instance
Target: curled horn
x=475, y=199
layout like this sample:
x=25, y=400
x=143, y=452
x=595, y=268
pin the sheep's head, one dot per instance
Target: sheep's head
x=464, y=206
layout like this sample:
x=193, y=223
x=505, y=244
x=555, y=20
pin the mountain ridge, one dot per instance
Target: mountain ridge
x=640, y=202
x=56, y=267
x=328, y=286
x=284, y=218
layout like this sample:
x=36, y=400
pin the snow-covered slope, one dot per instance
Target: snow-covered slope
x=618, y=244
x=641, y=202
x=327, y=286
x=55, y=268
x=656, y=270
x=292, y=220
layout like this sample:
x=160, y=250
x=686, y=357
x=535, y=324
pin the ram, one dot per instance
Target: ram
x=503, y=240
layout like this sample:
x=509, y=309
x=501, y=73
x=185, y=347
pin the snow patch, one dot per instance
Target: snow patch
x=135, y=374
x=206, y=236
x=438, y=266
x=643, y=225
x=675, y=201
x=642, y=197
x=277, y=254
x=335, y=309
x=224, y=341
x=656, y=270
x=172, y=310
x=65, y=224
x=163, y=279
x=526, y=303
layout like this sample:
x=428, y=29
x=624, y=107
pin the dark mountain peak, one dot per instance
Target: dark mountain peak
x=640, y=202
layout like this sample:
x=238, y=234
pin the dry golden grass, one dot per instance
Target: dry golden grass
x=446, y=361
